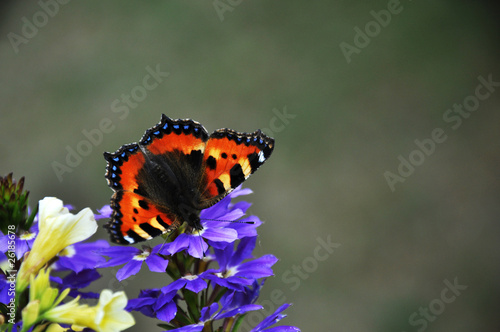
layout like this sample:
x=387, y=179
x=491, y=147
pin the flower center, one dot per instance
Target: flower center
x=69, y=251
x=27, y=236
x=229, y=273
x=198, y=232
x=142, y=256
x=190, y=277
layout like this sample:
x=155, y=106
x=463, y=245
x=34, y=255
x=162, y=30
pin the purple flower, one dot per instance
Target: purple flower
x=145, y=303
x=225, y=213
x=22, y=242
x=80, y=256
x=104, y=212
x=75, y=281
x=194, y=283
x=153, y=303
x=19, y=327
x=273, y=319
x=230, y=308
x=7, y=288
x=233, y=273
x=133, y=257
x=219, y=227
x=166, y=306
x=249, y=295
x=190, y=328
x=212, y=312
x=161, y=304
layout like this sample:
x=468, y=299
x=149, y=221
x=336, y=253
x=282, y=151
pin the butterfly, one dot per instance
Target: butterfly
x=176, y=170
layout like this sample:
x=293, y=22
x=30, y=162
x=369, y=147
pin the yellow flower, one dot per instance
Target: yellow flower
x=42, y=298
x=109, y=315
x=56, y=328
x=58, y=228
x=30, y=314
x=41, y=291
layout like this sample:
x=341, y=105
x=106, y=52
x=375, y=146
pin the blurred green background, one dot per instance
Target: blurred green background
x=243, y=65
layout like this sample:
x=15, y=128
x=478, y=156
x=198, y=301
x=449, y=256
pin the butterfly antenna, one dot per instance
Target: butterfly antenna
x=233, y=221
x=166, y=239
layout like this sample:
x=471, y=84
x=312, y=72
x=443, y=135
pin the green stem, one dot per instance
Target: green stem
x=238, y=322
x=191, y=299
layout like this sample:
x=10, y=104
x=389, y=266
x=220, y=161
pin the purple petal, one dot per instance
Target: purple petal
x=131, y=268
x=208, y=312
x=282, y=329
x=6, y=292
x=190, y=328
x=84, y=258
x=247, y=230
x=118, y=257
x=249, y=295
x=244, y=251
x=115, y=261
x=156, y=263
x=119, y=251
x=174, y=286
x=220, y=234
x=142, y=304
x=243, y=206
x=139, y=303
x=4, y=243
x=22, y=246
x=234, y=280
x=180, y=243
x=217, y=210
x=161, y=248
x=66, y=263
x=196, y=285
x=164, y=298
x=225, y=282
x=197, y=246
x=258, y=268
x=223, y=256
x=271, y=319
x=240, y=192
x=104, y=212
x=94, y=247
x=167, y=312
x=241, y=310
x=69, y=207
x=81, y=279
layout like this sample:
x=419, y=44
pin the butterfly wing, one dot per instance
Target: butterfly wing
x=135, y=217
x=230, y=158
x=149, y=179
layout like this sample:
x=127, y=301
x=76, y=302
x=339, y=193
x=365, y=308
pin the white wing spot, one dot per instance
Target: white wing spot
x=261, y=157
x=128, y=239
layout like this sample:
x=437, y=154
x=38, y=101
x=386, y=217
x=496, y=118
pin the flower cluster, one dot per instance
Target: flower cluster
x=216, y=280
x=52, y=240
x=211, y=277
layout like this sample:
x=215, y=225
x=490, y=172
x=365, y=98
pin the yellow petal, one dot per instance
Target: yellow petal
x=58, y=228
x=30, y=314
x=109, y=315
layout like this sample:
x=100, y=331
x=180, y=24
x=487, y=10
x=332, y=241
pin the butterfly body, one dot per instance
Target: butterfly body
x=175, y=171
